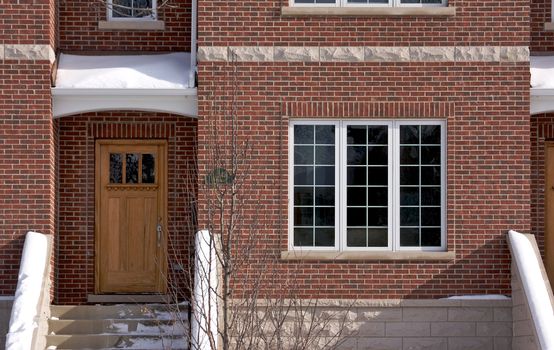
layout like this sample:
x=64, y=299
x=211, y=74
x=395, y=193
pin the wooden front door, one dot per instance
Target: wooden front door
x=130, y=216
x=549, y=212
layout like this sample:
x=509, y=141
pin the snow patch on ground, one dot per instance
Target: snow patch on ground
x=164, y=71
x=535, y=288
x=24, y=315
x=154, y=343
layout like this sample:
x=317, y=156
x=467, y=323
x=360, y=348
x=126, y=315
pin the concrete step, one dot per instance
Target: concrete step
x=105, y=341
x=123, y=311
x=118, y=326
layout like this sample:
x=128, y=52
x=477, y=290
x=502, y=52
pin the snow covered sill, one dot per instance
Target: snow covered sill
x=334, y=255
x=123, y=92
x=71, y=101
x=358, y=11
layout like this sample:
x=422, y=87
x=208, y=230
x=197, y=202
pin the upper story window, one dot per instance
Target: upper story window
x=391, y=3
x=131, y=9
x=367, y=185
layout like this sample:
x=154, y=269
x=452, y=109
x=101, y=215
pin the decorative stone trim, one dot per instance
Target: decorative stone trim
x=321, y=255
x=27, y=52
x=131, y=25
x=298, y=11
x=363, y=54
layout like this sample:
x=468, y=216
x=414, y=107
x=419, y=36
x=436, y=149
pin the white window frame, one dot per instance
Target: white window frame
x=110, y=17
x=394, y=183
x=391, y=3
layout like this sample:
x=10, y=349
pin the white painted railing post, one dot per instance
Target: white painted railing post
x=204, y=322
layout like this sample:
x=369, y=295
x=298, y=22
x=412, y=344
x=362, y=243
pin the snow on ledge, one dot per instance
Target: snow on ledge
x=534, y=286
x=163, y=71
x=24, y=316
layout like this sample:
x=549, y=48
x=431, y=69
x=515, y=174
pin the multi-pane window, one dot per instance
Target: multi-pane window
x=419, y=3
x=368, y=185
x=131, y=9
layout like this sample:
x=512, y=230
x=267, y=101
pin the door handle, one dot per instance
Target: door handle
x=159, y=229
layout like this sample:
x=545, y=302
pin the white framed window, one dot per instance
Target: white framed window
x=131, y=10
x=390, y=3
x=367, y=185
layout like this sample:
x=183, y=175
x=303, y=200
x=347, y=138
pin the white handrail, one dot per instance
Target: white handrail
x=535, y=289
x=33, y=270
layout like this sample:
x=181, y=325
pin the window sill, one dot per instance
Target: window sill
x=366, y=255
x=295, y=11
x=549, y=26
x=131, y=25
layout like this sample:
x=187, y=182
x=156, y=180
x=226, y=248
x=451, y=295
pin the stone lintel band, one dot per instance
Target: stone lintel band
x=363, y=54
x=27, y=52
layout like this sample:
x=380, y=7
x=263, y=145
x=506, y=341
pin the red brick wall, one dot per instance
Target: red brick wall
x=27, y=192
x=79, y=29
x=26, y=22
x=541, y=40
x=77, y=134
x=500, y=22
x=487, y=109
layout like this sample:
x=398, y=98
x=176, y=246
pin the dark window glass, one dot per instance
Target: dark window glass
x=303, y=237
x=303, y=155
x=409, y=237
x=303, y=175
x=324, y=216
x=356, y=175
x=356, y=134
x=409, y=195
x=303, y=134
x=355, y=196
x=324, y=196
x=377, y=237
x=325, y=175
x=377, y=155
x=431, y=155
x=409, y=134
x=131, y=169
x=116, y=168
x=148, y=169
x=325, y=155
x=409, y=155
x=356, y=155
x=377, y=196
x=303, y=216
x=431, y=175
x=431, y=134
x=377, y=134
x=430, y=216
x=409, y=216
x=377, y=176
x=377, y=217
x=431, y=237
x=356, y=237
x=324, y=237
x=303, y=195
x=356, y=217
x=409, y=175
x=325, y=135
x=430, y=196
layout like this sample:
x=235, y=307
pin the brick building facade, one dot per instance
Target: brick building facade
x=462, y=160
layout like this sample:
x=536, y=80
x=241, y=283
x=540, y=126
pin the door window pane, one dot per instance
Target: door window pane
x=116, y=169
x=132, y=168
x=148, y=169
